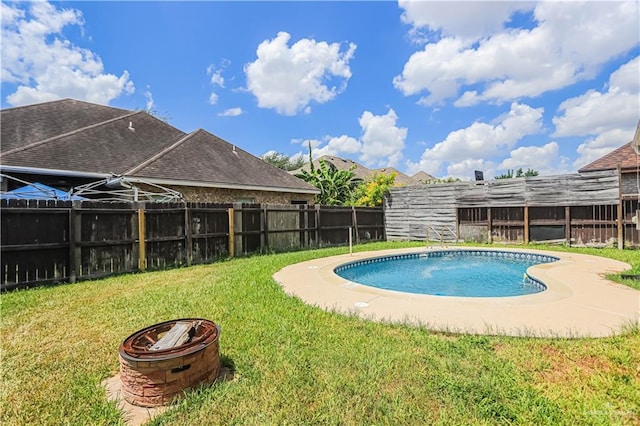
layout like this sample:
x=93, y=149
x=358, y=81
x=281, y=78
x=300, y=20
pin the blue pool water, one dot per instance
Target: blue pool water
x=464, y=273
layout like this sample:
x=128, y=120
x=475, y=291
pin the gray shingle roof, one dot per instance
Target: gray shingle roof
x=203, y=157
x=422, y=176
x=38, y=122
x=78, y=136
x=109, y=147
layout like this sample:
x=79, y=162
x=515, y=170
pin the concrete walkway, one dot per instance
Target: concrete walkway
x=578, y=302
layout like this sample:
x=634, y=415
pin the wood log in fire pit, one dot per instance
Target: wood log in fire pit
x=160, y=362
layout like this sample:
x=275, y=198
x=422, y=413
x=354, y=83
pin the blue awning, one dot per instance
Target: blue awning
x=39, y=191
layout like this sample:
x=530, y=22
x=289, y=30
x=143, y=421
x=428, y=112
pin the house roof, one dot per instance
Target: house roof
x=32, y=123
x=109, y=147
x=361, y=171
x=624, y=156
x=214, y=160
x=80, y=137
x=401, y=178
x=423, y=177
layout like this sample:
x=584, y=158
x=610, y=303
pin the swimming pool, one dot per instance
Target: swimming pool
x=462, y=273
x=579, y=301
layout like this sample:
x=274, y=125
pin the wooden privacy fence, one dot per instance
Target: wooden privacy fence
x=57, y=241
x=580, y=208
x=596, y=225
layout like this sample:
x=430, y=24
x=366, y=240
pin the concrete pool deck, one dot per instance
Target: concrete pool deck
x=578, y=302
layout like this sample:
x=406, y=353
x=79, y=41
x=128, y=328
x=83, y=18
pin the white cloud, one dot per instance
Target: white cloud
x=216, y=79
x=597, y=112
x=380, y=144
x=288, y=79
x=433, y=167
x=464, y=170
x=149, y=97
x=317, y=152
x=627, y=77
x=609, y=116
x=604, y=143
x=336, y=146
x=466, y=149
x=484, y=139
x=468, y=19
x=569, y=42
x=545, y=159
x=340, y=146
x=45, y=65
x=231, y=112
x=382, y=140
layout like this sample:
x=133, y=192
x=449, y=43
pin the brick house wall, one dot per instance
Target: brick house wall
x=224, y=195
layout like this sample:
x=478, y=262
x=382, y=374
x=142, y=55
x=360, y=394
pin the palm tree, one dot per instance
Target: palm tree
x=337, y=187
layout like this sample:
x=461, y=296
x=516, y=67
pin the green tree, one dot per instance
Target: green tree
x=528, y=173
x=372, y=193
x=282, y=161
x=337, y=187
x=507, y=175
x=519, y=173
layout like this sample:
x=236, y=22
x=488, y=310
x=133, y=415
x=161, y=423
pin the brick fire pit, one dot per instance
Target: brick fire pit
x=160, y=362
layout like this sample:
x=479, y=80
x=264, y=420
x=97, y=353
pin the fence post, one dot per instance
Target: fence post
x=318, y=233
x=526, y=224
x=354, y=221
x=567, y=224
x=620, y=226
x=457, y=236
x=265, y=228
x=232, y=237
x=142, y=245
x=620, y=223
x=75, y=236
x=489, y=226
x=302, y=220
x=188, y=236
x=384, y=219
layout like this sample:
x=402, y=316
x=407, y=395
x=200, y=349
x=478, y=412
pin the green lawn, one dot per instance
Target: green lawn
x=295, y=364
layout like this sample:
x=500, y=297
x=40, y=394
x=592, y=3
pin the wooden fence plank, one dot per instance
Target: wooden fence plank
x=89, y=239
x=232, y=238
x=142, y=243
x=410, y=212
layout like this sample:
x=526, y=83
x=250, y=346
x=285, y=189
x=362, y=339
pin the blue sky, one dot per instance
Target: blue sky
x=444, y=87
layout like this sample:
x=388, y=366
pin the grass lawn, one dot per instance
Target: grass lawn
x=295, y=364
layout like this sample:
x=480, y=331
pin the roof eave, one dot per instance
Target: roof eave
x=224, y=185
x=176, y=182
x=602, y=169
x=54, y=172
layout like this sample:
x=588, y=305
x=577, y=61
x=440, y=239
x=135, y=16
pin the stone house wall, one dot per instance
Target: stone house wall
x=224, y=195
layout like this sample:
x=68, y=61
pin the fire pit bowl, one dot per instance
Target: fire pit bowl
x=160, y=362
